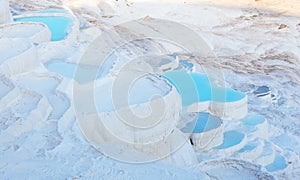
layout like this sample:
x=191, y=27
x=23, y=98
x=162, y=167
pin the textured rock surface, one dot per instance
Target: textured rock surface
x=5, y=16
x=256, y=42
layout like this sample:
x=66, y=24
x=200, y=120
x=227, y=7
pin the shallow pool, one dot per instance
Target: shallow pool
x=58, y=25
x=253, y=120
x=231, y=138
x=53, y=11
x=186, y=65
x=204, y=122
x=278, y=164
x=262, y=91
x=195, y=87
x=66, y=69
x=250, y=146
x=247, y=148
x=141, y=91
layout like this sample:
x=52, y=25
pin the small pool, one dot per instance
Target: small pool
x=66, y=69
x=253, y=120
x=186, y=65
x=195, y=87
x=262, y=91
x=247, y=148
x=61, y=67
x=231, y=138
x=87, y=72
x=287, y=142
x=204, y=122
x=278, y=164
x=250, y=146
x=58, y=25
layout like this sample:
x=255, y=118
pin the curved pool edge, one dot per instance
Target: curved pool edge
x=40, y=36
x=74, y=26
x=208, y=140
x=167, y=123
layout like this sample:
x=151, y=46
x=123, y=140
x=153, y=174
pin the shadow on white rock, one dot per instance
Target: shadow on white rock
x=227, y=169
x=20, y=56
x=34, y=32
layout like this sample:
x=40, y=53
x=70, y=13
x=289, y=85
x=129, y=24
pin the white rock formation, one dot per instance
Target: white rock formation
x=208, y=139
x=107, y=126
x=22, y=59
x=233, y=169
x=35, y=32
x=5, y=16
x=234, y=110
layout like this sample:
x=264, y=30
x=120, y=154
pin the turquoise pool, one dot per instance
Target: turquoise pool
x=250, y=146
x=253, y=120
x=231, y=138
x=278, y=164
x=247, y=148
x=66, y=69
x=204, y=122
x=58, y=25
x=195, y=87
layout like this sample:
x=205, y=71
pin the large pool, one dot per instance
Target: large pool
x=195, y=87
x=58, y=25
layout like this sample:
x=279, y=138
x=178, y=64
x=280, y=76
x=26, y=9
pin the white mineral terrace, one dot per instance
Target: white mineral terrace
x=227, y=111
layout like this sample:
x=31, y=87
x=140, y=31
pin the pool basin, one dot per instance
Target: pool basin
x=58, y=25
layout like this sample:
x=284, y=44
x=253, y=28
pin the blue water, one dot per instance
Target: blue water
x=231, y=138
x=45, y=11
x=195, y=87
x=262, y=91
x=186, y=64
x=58, y=25
x=247, y=148
x=87, y=73
x=253, y=120
x=250, y=146
x=278, y=164
x=164, y=62
x=204, y=122
x=185, y=86
x=287, y=142
x=66, y=69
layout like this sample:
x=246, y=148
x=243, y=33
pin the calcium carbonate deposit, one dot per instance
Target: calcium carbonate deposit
x=224, y=104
